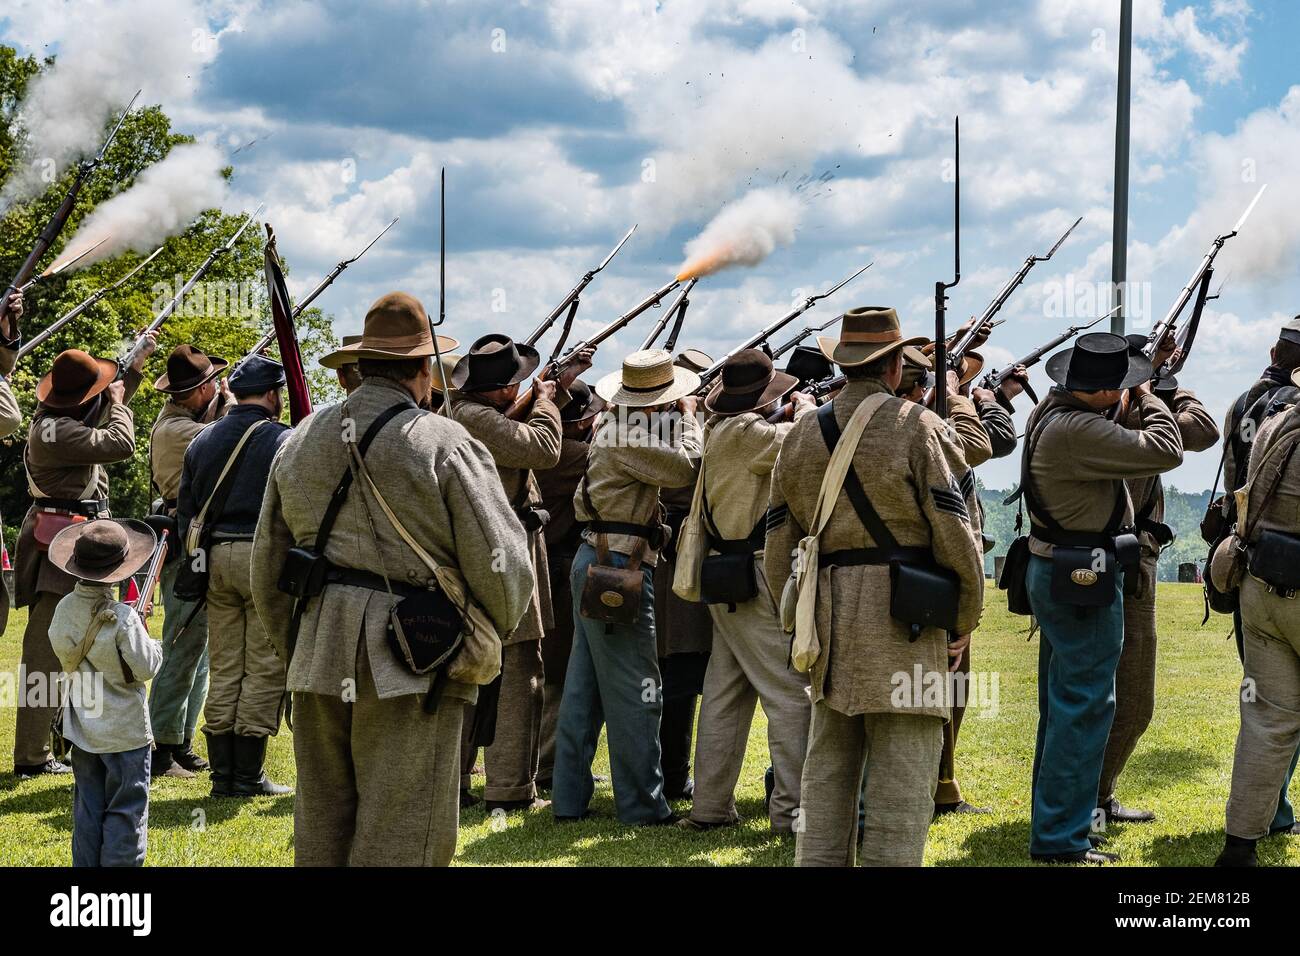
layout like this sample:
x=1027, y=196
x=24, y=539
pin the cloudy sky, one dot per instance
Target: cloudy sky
x=562, y=123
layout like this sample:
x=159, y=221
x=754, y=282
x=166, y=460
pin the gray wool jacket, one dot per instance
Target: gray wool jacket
x=442, y=485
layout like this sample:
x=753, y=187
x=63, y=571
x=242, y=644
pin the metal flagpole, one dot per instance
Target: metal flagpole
x=1119, y=237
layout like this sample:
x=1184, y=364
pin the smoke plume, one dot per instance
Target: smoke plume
x=745, y=233
x=164, y=199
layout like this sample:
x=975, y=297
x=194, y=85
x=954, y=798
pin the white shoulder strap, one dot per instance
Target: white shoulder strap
x=405, y=535
x=239, y=445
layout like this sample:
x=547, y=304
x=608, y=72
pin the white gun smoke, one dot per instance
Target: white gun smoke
x=744, y=233
x=165, y=198
x=109, y=51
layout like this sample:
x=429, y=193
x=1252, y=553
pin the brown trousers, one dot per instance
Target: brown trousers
x=32, y=730
x=377, y=779
x=245, y=676
x=511, y=761
x=1135, y=680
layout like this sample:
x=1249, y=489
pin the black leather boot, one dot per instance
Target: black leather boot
x=221, y=755
x=1237, y=851
x=250, y=779
x=162, y=763
x=185, y=756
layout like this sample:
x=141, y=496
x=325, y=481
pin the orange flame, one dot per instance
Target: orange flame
x=706, y=264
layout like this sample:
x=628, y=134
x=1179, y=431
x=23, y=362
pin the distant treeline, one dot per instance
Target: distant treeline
x=1183, y=513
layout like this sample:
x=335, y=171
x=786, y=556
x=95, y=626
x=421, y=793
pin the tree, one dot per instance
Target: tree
x=225, y=315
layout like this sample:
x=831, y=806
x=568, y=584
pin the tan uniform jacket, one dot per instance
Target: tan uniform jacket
x=627, y=465
x=1278, y=510
x=442, y=485
x=1082, y=459
x=974, y=440
x=740, y=452
x=63, y=454
x=518, y=447
x=917, y=479
x=173, y=430
x=11, y=417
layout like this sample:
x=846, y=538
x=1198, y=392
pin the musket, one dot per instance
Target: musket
x=553, y=368
x=77, y=310
x=570, y=301
x=58, y=267
x=714, y=370
x=58, y=220
x=815, y=391
x=442, y=291
x=129, y=359
x=997, y=376
x=265, y=341
x=795, y=340
x=941, y=299
x=151, y=575
x=676, y=308
x=1199, y=285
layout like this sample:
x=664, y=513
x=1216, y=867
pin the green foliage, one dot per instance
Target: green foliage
x=225, y=316
x=1183, y=513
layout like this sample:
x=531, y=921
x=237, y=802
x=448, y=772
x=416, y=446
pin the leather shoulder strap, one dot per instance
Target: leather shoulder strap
x=866, y=512
x=341, y=490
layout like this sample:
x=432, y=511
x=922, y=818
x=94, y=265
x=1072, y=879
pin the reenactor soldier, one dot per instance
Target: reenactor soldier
x=1081, y=549
x=222, y=483
x=683, y=635
x=178, y=690
x=1240, y=426
x=344, y=364
x=11, y=417
x=748, y=664
x=648, y=440
x=487, y=382
x=81, y=424
x=1135, y=678
x=916, y=489
x=377, y=754
x=1270, y=720
x=563, y=535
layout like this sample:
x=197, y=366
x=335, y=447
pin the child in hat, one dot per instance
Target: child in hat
x=102, y=643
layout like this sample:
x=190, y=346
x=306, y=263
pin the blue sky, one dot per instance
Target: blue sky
x=562, y=123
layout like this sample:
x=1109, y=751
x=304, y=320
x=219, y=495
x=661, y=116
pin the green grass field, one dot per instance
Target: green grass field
x=1181, y=769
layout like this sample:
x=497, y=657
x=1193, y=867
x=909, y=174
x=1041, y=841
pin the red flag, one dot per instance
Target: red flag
x=286, y=336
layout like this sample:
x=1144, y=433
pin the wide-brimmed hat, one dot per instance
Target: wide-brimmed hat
x=972, y=363
x=807, y=364
x=748, y=381
x=648, y=377
x=339, y=358
x=584, y=404
x=867, y=333
x=187, y=369
x=693, y=359
x=1099, y=361
x=494, y=361
x=74, y=379
x=1291, y=331
x=106, y=550
x=396, y=328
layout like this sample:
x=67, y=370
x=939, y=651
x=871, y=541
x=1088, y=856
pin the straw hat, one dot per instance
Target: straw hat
x=693, y=360
x=867, y=333
x=74, y=379
x=747, y=382
x=396, y=328
x=105, y=550
x=187, y=369
x=648, y=377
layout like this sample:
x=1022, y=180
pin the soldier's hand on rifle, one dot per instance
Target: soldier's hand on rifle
x=687, y=404
x=147, y=348
x=956, y=648
x=1143, y=389
x=1168, y=346
x=9, y=327
x=580, y=362
x=983, y=395
x=954, y=382
x=543, y=388
x=224, y=393
x=799, y=401
x=117, y=392
x=1014, y=383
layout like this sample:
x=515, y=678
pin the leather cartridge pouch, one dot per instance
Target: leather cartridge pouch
x=922, y=596
x=613, y=595
x=303, y=574
x=729, y=577
x=46, y=524
x=1013, y=580
x=1082, y=576
x=1275, y=560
